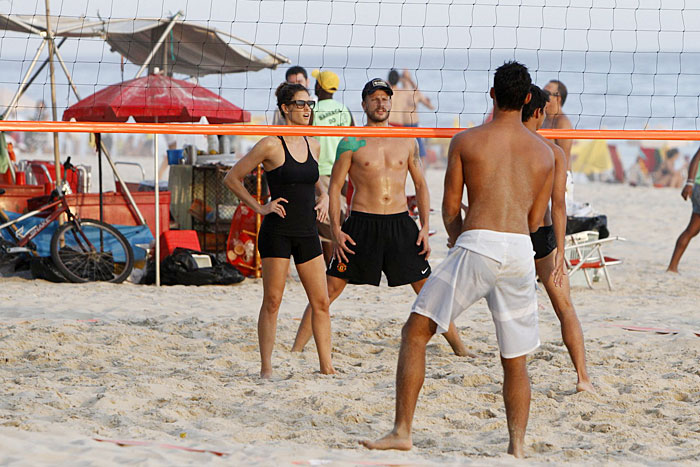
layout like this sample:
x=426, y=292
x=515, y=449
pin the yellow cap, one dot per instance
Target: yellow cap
x=328, y=80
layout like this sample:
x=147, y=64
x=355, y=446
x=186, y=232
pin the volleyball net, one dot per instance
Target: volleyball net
x=631, y=67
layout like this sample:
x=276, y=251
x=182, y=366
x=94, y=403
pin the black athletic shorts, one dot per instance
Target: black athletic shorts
x=543, y=241
x=383, y=243
x=274, y=245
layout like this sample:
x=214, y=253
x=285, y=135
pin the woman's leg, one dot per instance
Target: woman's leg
x=335, y=287
x=313, y=277
x=274, y=275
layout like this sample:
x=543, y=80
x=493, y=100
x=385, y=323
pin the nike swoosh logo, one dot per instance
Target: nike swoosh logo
x=424, y=270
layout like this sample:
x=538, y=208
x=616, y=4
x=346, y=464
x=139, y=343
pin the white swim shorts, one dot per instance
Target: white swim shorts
x=498, y=266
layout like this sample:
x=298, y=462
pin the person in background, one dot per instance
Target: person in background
x=328, y=112
x=408, y=97
x=667, y=175
x=690, y=190
x=557, y=119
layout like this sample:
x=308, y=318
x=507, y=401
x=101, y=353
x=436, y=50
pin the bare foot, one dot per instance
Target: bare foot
x=463, y=352
x=516, y=452
x=672, y=270
x=328, y=371
x=265, y=374
x=390, y=441
x=585, y=386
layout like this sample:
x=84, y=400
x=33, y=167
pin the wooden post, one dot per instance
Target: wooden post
x=49, y=38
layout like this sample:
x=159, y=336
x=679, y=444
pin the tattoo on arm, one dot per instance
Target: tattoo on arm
x=349, y=144
x=416, y=155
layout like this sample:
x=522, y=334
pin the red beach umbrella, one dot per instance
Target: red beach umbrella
x=155, y=98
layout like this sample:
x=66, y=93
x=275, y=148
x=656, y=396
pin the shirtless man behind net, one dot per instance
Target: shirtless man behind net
x=508, y=172
x=379, y=235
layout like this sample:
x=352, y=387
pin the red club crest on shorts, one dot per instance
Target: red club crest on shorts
x=342, y=267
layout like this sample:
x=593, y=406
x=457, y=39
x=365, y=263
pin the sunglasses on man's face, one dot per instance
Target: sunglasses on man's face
x=299, y=103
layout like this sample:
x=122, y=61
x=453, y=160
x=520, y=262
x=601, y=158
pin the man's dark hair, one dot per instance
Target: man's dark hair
x=393, y=77
x=561, y=89
x=511, y=84
x=539, y=99
x=295, y=70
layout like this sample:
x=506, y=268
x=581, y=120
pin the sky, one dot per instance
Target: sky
x=451, y=46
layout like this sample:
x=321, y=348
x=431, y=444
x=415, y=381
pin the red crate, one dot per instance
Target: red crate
x=178, y=238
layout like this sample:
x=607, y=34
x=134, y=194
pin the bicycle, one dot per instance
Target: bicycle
x=83, y=250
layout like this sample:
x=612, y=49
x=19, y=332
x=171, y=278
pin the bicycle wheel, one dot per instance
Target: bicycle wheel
x=90, y=250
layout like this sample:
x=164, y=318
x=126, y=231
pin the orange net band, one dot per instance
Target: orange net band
x=357, y=131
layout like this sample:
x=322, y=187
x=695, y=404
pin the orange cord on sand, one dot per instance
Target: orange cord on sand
x=261, y=130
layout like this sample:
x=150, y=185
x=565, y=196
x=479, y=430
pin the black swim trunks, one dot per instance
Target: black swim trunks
x=543, y=241
x=383, y=243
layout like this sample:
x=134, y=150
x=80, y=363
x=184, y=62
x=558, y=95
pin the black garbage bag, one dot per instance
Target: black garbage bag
x=44, y=268
x=180, y=268
x=582, y=224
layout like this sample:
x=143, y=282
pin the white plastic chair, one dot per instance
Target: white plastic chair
x=584, y=252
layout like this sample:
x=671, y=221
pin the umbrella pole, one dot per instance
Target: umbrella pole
x=56, y=154
x=170, y=26
x=98, y=144
x=157, y=204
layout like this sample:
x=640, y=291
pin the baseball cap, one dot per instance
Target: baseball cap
x=374, y=85
x=328, y=80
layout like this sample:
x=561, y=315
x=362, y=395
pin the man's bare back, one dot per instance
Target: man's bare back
x=378, y=170
x=508, y=173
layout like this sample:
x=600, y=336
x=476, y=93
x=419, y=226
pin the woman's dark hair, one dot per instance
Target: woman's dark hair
x=285, y=93
x=511, y=84
x=538, y=100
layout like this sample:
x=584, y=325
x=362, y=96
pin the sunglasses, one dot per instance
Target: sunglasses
x=299, y=103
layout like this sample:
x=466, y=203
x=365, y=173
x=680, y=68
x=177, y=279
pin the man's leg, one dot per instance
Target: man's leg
x=313, y=277
x=410, y=373
x=571, y=331
x=274, y=275
x=335, y=288
x=516, y=395
x=452, y=335
x=683, y=240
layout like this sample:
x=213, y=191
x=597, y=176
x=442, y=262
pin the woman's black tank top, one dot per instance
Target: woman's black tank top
x=294, y=181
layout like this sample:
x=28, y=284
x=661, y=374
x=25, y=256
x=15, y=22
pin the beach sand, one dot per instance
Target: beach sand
x=178, y=366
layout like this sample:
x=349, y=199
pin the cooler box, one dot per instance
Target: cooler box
x=16, y=197
x=178, y=238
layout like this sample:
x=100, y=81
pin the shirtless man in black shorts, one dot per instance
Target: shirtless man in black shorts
x=379, y=235
x=548, y=243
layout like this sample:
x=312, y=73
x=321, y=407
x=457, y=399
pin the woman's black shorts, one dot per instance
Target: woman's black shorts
x=274, y=245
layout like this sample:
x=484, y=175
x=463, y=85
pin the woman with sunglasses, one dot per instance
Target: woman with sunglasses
x=289, y=226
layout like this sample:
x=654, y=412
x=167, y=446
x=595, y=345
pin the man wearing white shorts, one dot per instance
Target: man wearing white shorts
x=497, y=266
x=508, y=172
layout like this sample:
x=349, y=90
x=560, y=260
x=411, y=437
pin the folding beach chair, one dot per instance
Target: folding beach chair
x=584, y=252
